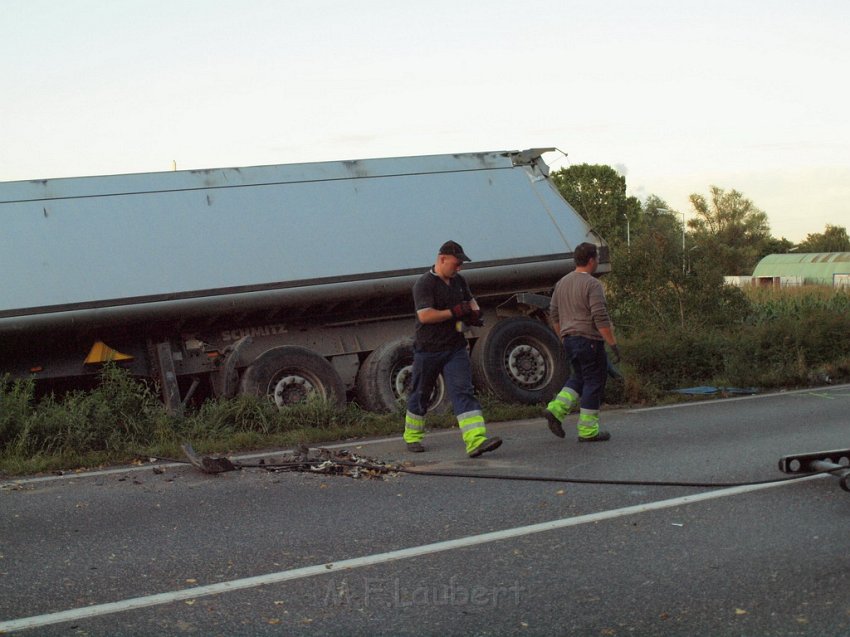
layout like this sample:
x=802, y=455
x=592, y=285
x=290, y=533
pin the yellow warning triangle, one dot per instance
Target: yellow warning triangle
x=102, y=353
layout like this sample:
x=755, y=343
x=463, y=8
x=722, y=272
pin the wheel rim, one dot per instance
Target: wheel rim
x=402, y=377
x=528, y=365
x=292, y=389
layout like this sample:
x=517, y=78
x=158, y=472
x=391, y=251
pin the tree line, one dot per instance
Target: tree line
x=726, y=224
x=666, y=272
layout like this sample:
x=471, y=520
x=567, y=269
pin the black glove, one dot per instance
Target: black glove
x=474, y=319
x=615, y=354
x=461, y=310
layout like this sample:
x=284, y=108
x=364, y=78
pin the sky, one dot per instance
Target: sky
x=676, y=95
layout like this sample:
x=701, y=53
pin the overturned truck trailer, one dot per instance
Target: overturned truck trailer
x=283, y=280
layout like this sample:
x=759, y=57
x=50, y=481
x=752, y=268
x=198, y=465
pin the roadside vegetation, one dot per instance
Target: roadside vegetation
x=680, y=325
x=783, y=338
x=123, y=420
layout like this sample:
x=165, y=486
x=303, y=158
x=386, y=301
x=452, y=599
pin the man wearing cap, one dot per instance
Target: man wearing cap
x=443, y=304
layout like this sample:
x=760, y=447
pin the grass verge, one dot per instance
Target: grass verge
x=121, y=420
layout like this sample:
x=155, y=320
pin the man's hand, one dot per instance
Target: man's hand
x=615, y=354
x=461, y=310
x=474, y=319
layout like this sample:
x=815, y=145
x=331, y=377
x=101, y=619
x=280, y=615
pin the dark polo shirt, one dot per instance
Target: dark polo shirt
x=431, y=291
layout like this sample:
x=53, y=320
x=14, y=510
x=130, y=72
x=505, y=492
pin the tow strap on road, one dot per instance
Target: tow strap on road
x=346, y=463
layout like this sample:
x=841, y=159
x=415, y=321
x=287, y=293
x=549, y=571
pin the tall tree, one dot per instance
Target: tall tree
x=729, y=230
x=833, y=239
x=649, y=289
x=657, y=214
x=776, y=246
x=598, y=193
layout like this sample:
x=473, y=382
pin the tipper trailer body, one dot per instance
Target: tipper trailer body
x=283, y=280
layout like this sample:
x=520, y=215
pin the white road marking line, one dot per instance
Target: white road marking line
x=77, y=614
x=84, y=474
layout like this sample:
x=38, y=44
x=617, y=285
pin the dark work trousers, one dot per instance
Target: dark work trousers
x=589, y=364
x=457, y=374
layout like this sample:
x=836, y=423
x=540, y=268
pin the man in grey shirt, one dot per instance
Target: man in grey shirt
x=579, y=316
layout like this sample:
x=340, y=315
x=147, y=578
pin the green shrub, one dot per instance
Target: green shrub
x=675, y=357
x=787, y=350
x=119, y=414
x=789, y=338
x=17, y=400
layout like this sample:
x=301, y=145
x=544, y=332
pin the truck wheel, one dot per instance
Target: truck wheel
x=520, y=361
x=290, y=374
x=383, y=382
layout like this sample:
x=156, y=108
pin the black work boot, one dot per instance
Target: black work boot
x=554, y=424
x=490, y=444
x=415, y=447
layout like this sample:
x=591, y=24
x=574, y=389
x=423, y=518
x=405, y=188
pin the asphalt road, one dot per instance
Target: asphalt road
x=133, y=552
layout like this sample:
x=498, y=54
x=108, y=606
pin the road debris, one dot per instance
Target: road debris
x=325, y=461
x=341, y=462
x=206, y=463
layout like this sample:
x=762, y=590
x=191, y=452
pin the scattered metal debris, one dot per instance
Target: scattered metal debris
x=339, y=462
x=303, y=459
x=206, y=463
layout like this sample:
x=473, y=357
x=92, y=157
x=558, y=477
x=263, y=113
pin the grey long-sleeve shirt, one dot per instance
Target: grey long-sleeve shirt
x=578, y=306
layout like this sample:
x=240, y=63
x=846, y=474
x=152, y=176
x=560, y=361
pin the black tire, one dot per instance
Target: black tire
x=288, y=375
x=383, y=382
x=520, y=360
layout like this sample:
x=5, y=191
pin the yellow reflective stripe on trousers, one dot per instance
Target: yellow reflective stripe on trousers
x=588, y=423
x=472, y=428
x=568, y=396
x=562, y=404
x=414, y=427
x=470, y=420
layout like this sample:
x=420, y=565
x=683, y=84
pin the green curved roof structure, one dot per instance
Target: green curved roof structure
x=814, y=268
